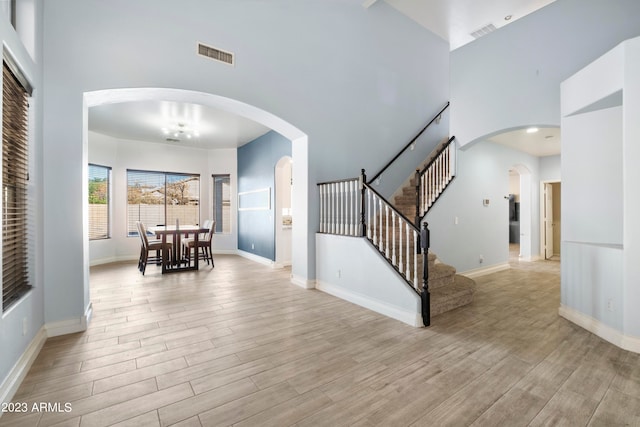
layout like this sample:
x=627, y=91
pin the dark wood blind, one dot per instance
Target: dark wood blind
x=15, y=113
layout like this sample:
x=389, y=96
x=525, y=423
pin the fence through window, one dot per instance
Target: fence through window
x=159, y=198
x=99, y=202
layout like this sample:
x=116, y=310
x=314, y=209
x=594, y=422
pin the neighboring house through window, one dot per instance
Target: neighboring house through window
x=159, y=198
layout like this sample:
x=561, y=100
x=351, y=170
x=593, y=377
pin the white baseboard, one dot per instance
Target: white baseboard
x=224, y=252
x=70, y=326
x=303, y=282
x=13, y=380
x=282, y=264
x=113, y=259
x=477, y=272
x=256, y=258
x=408, y=317
x=596, y=327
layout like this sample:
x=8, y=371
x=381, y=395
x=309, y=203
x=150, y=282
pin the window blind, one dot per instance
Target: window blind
x=158, y=198
x=222, y=203
x=15, y=167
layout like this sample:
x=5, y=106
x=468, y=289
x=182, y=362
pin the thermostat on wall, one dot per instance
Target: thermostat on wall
x=485, y=202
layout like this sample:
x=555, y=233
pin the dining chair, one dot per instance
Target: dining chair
x=203, y=251
x=148, y=246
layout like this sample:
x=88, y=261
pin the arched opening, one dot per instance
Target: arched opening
x=299, y=171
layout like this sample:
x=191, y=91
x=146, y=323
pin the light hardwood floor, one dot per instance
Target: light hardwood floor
x=239, y=345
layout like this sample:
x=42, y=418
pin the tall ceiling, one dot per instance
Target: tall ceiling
x=453, y=20
x=456, y=20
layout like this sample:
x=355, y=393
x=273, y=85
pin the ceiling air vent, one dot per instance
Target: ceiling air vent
x=214, y=53
x=483, y=31
x=172, y=140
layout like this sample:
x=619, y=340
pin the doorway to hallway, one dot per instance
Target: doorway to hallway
x=550, y=227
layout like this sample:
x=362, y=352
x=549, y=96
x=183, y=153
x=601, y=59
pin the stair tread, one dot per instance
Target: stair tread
x=441, y=270
x=456, y=295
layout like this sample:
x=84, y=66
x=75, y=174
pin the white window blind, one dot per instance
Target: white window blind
x=158, y=198
x=222, y=203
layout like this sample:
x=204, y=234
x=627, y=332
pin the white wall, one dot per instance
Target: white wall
x=21, y=326
x=483, y=174
x=550, y=168
x=592, y=177
x=356, y=89
x=600, y=201
x=126, y=154
x=367, y=279
x=631, y=195
x=523, y=64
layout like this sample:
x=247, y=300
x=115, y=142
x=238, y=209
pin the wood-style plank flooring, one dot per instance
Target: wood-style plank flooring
x=240, y=345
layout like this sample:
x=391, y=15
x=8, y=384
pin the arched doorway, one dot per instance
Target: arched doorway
x=299, y=195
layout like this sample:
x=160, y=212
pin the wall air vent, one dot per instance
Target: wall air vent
x=215, y=53
x=483, y=31
x=172, y=140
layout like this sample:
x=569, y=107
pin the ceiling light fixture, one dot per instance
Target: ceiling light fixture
x=508, y=17
x=179, y=130
x=532, y=130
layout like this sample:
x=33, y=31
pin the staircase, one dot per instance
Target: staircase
x=352, y=207
x=448, y=289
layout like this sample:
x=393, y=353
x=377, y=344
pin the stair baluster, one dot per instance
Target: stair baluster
x=400, y=226
x=393, y=233
x=386, y=215
x=434, y=178
x=370, y=235
x=407, y=270
x=416, y=282
x=322, y=205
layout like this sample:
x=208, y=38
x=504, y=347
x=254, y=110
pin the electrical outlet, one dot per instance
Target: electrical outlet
x=455, y=220
x=253, y=246
x=610, y=305
x=339, y=273
x=481, y=259
x=24, y=326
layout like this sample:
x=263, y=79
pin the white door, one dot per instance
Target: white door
x=548, y=221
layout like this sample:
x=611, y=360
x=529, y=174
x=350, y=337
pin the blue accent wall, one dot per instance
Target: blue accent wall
x=256, y=170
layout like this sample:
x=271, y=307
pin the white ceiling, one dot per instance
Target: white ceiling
x=455, y=20
x=544, y=142
x=144, y=121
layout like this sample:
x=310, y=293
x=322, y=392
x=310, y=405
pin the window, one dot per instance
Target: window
x=158, y=198
x=222, y=203
x=15, y=175
x=99, y=195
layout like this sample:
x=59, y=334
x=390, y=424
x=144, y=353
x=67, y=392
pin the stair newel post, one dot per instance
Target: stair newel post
x=417, y=198
x=425, y=295
x=363, y=222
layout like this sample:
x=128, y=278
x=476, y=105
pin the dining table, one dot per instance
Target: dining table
x=176, y=232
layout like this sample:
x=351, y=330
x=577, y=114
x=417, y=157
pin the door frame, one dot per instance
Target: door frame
x=542, y=216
